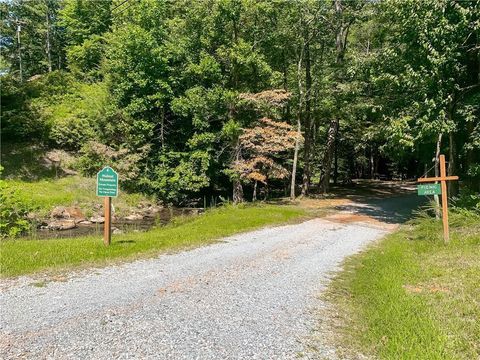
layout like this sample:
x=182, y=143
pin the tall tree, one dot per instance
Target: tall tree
x=31, y=39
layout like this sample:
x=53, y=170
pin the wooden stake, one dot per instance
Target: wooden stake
x=443, y=174
x=107, y=226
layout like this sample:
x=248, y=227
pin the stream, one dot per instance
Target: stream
x=120, y=225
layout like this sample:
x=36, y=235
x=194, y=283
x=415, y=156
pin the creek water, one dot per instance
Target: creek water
x=163, y=217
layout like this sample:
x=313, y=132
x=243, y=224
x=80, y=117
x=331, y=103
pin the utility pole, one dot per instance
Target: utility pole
x=19, y=24
x=48, y=51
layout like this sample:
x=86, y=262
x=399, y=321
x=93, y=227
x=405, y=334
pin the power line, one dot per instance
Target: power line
x=124, y=9
x=123, y=2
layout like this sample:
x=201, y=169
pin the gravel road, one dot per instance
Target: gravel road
x=250, y=296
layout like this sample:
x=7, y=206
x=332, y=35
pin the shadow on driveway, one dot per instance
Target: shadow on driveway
x=390, y=210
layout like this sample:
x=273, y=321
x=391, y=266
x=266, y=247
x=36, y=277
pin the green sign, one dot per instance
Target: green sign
x=429, y=189
x=107, y=182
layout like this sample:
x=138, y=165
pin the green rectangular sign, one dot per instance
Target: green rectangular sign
x=429, y=189
x=107, y=182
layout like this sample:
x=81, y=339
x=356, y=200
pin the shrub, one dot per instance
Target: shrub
x=13, y=212
x=96, y=155
x=20, y=119
x=467, y=200
x=177, y=176
x=71, y=131
x=72, y=116
x=84, y=59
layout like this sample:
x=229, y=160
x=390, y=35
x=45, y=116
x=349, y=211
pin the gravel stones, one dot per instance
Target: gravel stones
x=249, y=296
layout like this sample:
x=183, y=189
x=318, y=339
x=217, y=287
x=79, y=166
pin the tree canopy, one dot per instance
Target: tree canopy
x=217, y=97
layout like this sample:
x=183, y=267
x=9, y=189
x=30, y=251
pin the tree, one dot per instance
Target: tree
x=261, y=146
x=32, y=41
x=427, y=72
x=85, y=23
x=344, y=16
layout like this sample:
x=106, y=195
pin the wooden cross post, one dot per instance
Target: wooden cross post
x=443, y=178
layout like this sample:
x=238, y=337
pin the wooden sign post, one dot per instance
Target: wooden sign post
x=107, y=187
x=107, y=225
x=432, y=189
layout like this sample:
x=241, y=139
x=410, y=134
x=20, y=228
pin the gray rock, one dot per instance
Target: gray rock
x=61, y=225
x=58, y=212
x=85, y=222
x=74, y=212
x=71, y=212
x=97, y=219
x=143, y=204
x=134, y=217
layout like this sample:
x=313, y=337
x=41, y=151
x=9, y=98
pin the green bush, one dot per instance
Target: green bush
x=467, y=200
x=94, y=156
x=71, y=132
x=126, y=162
x=20, y=119
x=72, y=116
x=84, y=59
x=177, y=177
x=50, y=86
x=13, y=212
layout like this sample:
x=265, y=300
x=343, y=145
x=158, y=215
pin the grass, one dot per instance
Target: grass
x=24, y=161
x=45, y=194
x=411, y=296
x=37, y=185
x=19, y=257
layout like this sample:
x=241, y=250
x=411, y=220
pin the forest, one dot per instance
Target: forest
x=245, y=99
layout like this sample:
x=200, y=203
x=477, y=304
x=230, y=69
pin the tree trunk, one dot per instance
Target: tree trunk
x=299, y=123
x=295, y=159
x=372, y=165
x=437, y=173
x=19, y=43
x=47, y=47
x=254, y=197
x=340, y=45
x=335, y=162
x=237, y=192
x=327, y=159
x=286, y=109
x=452, y=168
x=237, y=185
x=307, y=122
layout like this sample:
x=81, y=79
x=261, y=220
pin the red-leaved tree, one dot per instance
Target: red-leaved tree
x=261, y=146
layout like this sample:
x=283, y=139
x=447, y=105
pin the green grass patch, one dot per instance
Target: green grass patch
x=20, y=257
x=44, y=195
x=37, y=186
x=411, y=296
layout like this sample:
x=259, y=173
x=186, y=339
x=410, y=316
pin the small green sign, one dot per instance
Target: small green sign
x=429, y=189
x=107, y=182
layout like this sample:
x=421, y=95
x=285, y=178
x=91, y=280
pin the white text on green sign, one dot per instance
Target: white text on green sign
x=429, y=189
x=107, y=182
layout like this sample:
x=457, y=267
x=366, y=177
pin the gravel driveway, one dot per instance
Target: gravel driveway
x=250, y=296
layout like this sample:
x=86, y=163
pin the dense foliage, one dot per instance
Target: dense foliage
x=13, y=212
x=165, y=91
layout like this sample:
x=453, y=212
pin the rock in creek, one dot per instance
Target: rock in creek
x=58, y=212
x=85, y=222
x=72, y=212
x=134, y=217
x=61, y=225
x=117, y=231
x=97, y=219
